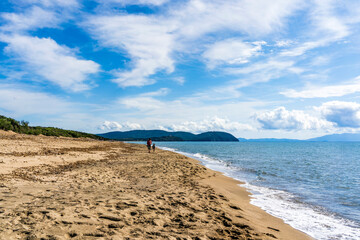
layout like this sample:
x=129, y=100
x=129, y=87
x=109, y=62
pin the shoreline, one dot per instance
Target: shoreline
x=246, y=196
x=257, y=217
x=63, y=188
x=312, y=219
x=232, y=189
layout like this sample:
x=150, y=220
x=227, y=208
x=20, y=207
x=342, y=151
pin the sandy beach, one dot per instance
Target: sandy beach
x=63, y=188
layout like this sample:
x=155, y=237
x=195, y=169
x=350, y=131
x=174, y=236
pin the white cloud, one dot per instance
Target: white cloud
x=142, y=103
x=179, y=80
x=43, y=56
x=231, y=51
x=304, y=47
x=284, y=43
x=263, y=72
x=327, y=26
x=343, y=114
x=34, y=18
x=325, y=91
x=62, y=3
x=211, y=124
x=160, y=92
x=327, y=19
x=320, y=61
x=136, y=2
x=37, y=14
x=132, y=126
x=55, y=63
x=151, y=41
x=199, y=17
x=225, y=92
x=21, y=102
x=268, y=66
x=52, y=3
x=152, y=112
x=148, y=102
x=294, y=120
x=115, y=126
x=147, y=40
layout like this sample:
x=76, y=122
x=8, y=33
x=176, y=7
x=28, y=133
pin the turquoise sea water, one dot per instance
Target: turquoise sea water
x=313, y=186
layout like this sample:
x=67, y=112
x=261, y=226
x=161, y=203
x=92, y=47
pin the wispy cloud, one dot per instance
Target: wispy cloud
x=210, y=124
x=179, y=80
x=328, y=26
x=43, y=57
x=189, y=113
x=52, y=3
x=160, y=92
x=151, y=41
x=134, y=2
x=325, y=91
x=263, y=71
x=231, y=51
x=19, y=102
x=37, y=14
x=147, y=41
x=248, y=17
x=34, y=18
x=55, y=63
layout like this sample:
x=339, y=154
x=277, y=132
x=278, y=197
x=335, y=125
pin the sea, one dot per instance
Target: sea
x=313, y=186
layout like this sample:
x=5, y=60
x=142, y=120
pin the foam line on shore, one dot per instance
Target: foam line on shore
x=312, y=220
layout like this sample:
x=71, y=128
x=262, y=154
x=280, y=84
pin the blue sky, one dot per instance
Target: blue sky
x=254, y=68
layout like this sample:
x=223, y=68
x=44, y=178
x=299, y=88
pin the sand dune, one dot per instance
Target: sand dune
x=62, y=188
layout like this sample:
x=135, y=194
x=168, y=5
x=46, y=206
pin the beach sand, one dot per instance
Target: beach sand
x=63, y=188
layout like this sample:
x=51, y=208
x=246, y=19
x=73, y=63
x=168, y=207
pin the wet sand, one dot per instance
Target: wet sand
x=63, y=188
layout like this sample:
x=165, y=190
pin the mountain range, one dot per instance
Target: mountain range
x=160, y=135
x=344, y=137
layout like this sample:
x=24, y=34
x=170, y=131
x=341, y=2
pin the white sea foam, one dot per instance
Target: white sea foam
x=314, y=221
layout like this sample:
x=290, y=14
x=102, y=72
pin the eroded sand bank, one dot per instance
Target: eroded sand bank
x=62, y=188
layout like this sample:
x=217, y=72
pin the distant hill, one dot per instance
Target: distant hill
x=9, y=124
x=344, y=137
x=160, y=135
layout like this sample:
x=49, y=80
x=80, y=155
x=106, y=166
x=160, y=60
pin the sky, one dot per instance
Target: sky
x=253, y=68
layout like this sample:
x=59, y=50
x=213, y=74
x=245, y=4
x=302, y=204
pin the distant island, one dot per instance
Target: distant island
x=344, y=137
x=160, y=135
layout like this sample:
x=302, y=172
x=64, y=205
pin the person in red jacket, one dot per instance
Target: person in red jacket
x=148, y=143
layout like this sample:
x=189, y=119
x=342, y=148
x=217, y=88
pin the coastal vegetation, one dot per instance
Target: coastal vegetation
x=10, y=124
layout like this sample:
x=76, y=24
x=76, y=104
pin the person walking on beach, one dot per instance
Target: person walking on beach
x=153, y=147
x=148, y=143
